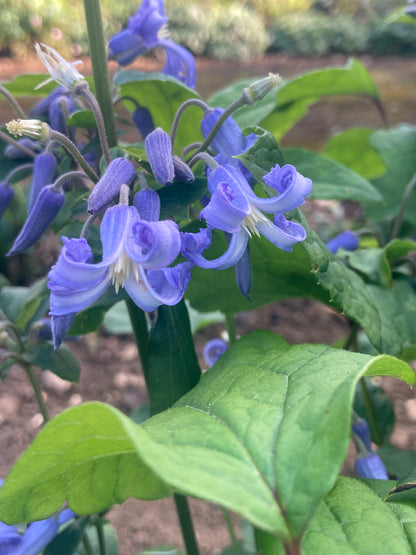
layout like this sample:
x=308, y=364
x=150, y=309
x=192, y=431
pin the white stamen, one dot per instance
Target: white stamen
x=255, y=217
x=120, y=271
x=34, y=128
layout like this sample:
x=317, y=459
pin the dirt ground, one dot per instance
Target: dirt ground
x=110, y=368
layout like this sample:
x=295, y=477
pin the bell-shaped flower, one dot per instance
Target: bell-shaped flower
x=120, y=171
x=213, y=350
x=13, y=152
x=347, y=240
x=6, y=197
x=361, y=431
x=59, y=110
x=235, y=209
x=143, y=120
x=370, y=466
x=136, y=255
x=45, y=208
x=228, y=141
x=44, y=170
x=144, y=31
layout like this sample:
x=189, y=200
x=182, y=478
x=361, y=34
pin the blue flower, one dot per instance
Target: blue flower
x=6, y=196
x=347, y=240
x=228, y=141
x=36, y=536
x=213, y=350
x=44, y=170
x=370, y=466
x=143, y=33
x=136, y=254
x=236, y=210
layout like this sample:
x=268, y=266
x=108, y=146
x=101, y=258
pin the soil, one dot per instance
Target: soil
x=110, y=368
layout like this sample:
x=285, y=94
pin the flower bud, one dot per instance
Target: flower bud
x=361, y=428
x=147, y=203
x=143, y=121
x=33, y=128
x=159, y=152
x=61, y=71
x=44, y=210
x=213, y=350
x=44, y=170
x=59, y=109
x=6, y=197
x=258, y=90
x=119, y=171
x=15, y=153
x=182, y=171
x=371, y=466
x=347, y=240
x=60, y=327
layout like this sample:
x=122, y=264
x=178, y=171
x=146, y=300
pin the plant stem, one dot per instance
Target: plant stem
x=191, y=102
x=101, y=537
x=187, y=527
x=234, y=540
x=141, y=334
x=87, y=544
x=85, y=92
x=74, y=152
x=352, y=337
x=372, y=420
x=403, y=205
x=99, y=67
x=37, y=391
x=5, y=137
x=231, y=328
x=13, y=102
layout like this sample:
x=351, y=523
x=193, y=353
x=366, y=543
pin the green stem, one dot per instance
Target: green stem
x=352, y=337
x=191, y=102
x=403, y=205
x=89, y=550
x=187, y=527
x=99, y=67
x=231, y=328
x=372, y=420
x=101, y=537
x=141, y=334
x=37, y=391
x=74, y=152
x=234, y=540
x=90, y=99
x=13, y=102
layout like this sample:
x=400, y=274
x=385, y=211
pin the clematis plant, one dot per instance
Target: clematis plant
x=139, y=218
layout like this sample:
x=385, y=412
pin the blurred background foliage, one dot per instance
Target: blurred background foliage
x=223, y=29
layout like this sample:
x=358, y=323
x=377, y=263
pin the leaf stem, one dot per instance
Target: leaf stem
x=188, y=533
x=13, y=102
x=97, y=44
x=372, y=420
x=234, y=540
x=403, y=205
x=87, y=544
x=141, y=334
x=191, y=102
x=231, y=328
x=74, y=152
x=5, y=137
x=36, y=389
x=101, y=537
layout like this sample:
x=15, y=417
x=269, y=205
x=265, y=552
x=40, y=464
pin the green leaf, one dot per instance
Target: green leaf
x=172, y=366
x=264, y=434
x=176, y=199
x=295, y=96
x=35, y=305
x=396, y=147
x=62, y=362
x=162, y=95
x=12, y=300
x=330, y=179
x=117, y=320
x=82, y=118
x=66, y=542
x=398, y=461
x=352, y=149
x=352, y=519
x=398, y=248
x=263, y=155
x=91, y=319
x=371, y=263
x=407, y=483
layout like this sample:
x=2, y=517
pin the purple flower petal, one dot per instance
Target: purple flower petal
x=213, y=350
x=291, y=185
x=159, y=152
x=153, y=244
x=194, y=244
x=6, y=197
x=347, y=240
x=371, y=466
x=125, y=47
x=44, y=171
x=119, y=172
x=147, y=203
x=282, y=233
x=179, y=62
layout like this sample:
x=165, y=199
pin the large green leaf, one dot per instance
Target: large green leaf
x=353, y=519
x=295, y=97
x=396, y=147
x=61, y=362
x=162, y=95
x=352, y=148
x=264, y=433
x=331, y=180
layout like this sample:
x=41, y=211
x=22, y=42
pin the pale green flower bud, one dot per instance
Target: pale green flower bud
x=258, y=90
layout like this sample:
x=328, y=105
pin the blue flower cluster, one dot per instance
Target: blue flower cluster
x=141, y=253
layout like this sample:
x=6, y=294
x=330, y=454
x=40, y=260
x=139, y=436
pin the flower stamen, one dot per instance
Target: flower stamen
x=255, y=217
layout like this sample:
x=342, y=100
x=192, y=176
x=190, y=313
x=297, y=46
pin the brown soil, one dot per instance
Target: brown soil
x=110, y=368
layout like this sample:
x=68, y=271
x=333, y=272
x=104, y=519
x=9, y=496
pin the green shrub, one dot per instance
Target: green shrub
x=317, y=34
x=396, y=38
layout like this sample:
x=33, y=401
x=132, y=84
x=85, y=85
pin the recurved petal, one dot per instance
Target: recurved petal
x=125, y=47
x=191, y=249
x=179, y=62
x=293, y=189
x=65, y=300
x=153, y=244
x=227, y=208
x=115, y=229
x=282, y=233
x=169, y=284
